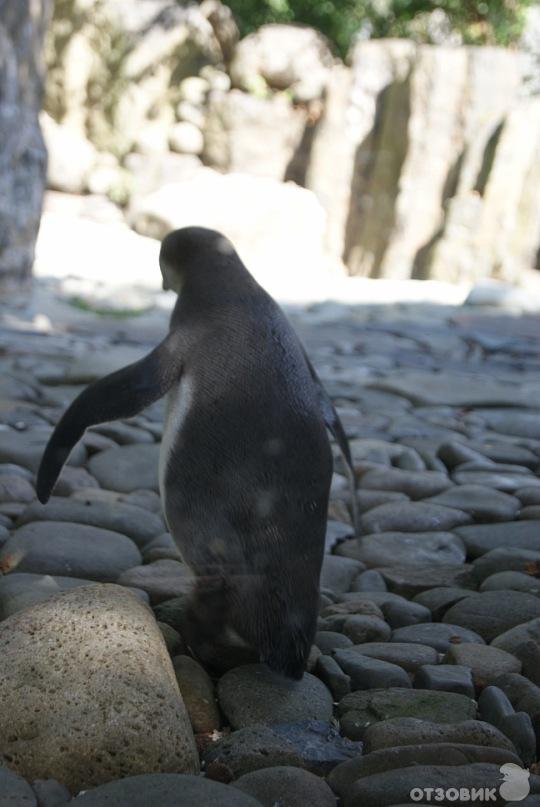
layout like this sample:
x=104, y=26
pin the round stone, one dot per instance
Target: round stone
x=253, y=694
x=286, y=786
x=166, y=790
x=485, y=662
x=126, y=468
x=71, y=550
x=493, y=612
x=412, y=517
x=436, y=635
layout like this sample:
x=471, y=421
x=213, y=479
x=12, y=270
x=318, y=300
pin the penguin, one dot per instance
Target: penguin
x=245, y=461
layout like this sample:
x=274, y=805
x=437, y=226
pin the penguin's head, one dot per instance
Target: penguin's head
x=191, y=250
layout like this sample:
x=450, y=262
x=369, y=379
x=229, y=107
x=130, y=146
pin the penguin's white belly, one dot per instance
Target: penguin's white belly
x=179, y=402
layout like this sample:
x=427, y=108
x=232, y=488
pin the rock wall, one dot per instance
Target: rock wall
x=423, y=157
x=22, y=153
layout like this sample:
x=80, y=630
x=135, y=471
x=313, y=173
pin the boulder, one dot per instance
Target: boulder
x=252, y=135
x=283, y=57
x=276, y=227
x=89, y=692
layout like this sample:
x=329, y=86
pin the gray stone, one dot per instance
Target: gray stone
x=398, y=615
x=366, y=672
x=246, y=750
x=167, y=790
x=286, y=786
x=406, y=548
x=454, y=453
x=423, y=387
x=21, y=590
x=359, y=628
x=173, y=640
x=514, y=581
x=496, y=708
x=328, y=670
x=15, y=791
x=485, y=662
x=138, y=524
x=361, y=709
x=387, y=759
x=408, y=656
x=412, y=517
x=482, y=538
x=15, y=489
x=508, y=482
x=529, y=497
x=410, y=731
x=483, y=503
x=503, y=560
x=50, y=793
x=439, y=599
x=437, y=635
x=124, y=434
x=493, y=612
x=73, y=480
x=514, y=422
x=252, y=695
x=394, y=787
x=368, y=499
x=415, y=484
x=337, y=573
x=71, y=550
x=409, y=581
x=126, y=468
x=370, y=580
x=504, y=452
x=523, y=694
x=161, y=579
x=531, y=513
x=71, y=662
x=511, y=639
x=198, y=693
x=328, y=640
x=528, y=655
x=26, y=448
x=446, y=677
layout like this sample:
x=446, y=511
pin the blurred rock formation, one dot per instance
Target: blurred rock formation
x=424, y=159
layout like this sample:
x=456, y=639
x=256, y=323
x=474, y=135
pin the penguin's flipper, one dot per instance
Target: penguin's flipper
x=335, y=426
x=122, y=394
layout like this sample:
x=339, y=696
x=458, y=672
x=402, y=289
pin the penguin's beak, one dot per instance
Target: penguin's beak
x=164, y=285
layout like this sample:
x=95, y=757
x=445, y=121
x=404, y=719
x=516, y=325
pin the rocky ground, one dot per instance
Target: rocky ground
x=425, y=668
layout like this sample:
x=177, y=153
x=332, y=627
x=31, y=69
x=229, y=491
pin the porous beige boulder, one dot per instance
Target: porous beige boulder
x=88, y=692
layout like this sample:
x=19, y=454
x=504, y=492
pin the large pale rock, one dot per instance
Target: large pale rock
x=89, y=693
x=348, y=119
x=283, y=57
x=22, y=155
x=431, y=109
x=276, y=227
x=115, y=65
x=253, y=135
x=492, y=223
